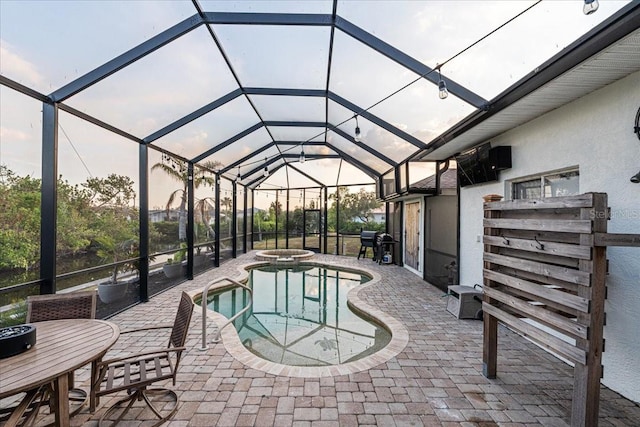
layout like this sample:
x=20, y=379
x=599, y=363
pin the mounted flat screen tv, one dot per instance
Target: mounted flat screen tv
x=474, y=166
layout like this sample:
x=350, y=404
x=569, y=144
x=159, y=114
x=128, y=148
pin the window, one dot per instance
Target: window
x=556, y=184
x=402, y=171
x=389, y=184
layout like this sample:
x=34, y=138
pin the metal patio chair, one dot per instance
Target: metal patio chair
x=40, y=308
x=137, y=372
x=75, y=305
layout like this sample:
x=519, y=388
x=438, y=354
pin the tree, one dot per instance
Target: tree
x=295, y=223
x=203, y=208
x=177, y=170
x=121, y=243
x=355, y=209
x=116, y=220
x=19, y=220
x=112, y=191
x=85, y=214
x=360, y=205
x=77, y=223
x=227, y=204
x=275, y=210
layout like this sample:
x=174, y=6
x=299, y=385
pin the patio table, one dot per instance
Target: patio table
x=62, y=346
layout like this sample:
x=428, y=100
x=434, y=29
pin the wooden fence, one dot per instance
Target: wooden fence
x=544, y=269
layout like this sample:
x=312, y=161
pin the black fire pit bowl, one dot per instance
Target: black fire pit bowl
x=16, y=339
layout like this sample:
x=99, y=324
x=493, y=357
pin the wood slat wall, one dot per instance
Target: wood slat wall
x=543, y=270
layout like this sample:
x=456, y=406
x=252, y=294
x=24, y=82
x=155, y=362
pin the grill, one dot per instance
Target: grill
x=382, y=238
x=367, y=240
x=383, y=246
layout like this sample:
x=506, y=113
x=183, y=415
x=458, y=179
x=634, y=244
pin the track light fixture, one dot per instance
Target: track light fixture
x=590, y=6
x=357, y=136
x=442, y=86
x=266, y=168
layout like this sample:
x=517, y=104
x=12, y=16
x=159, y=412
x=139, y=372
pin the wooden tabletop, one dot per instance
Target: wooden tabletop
x=61, y=346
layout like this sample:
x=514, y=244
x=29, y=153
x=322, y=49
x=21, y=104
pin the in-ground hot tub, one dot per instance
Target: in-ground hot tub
x=284, y=256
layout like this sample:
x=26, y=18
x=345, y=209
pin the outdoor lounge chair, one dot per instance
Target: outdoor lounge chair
x=136, y=372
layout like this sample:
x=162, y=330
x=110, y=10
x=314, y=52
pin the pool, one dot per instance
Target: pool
x=300, y=316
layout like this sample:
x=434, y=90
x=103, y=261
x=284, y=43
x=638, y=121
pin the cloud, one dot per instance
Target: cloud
x=7, y=134
x=388, y=143
x=14, y=66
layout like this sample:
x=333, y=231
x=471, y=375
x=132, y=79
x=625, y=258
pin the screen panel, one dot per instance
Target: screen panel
x=211, y=129
x=277, y=56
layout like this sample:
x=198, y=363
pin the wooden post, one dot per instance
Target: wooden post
x=586, y=386
x=490, y=323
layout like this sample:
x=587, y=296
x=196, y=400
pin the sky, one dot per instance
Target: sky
x=48, y=44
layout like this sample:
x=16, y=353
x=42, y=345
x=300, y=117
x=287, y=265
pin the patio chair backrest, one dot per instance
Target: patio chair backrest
x=75, y=305
x=181, y=322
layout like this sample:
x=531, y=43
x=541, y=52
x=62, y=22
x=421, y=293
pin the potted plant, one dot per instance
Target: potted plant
x=173, y=267
x=114, y=289
x=199, y=258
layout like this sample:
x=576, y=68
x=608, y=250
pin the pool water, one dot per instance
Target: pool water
x=300, y=316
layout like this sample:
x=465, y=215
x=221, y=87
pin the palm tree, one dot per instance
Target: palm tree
x=177, y=170
x=203, y=208
x=227, y=203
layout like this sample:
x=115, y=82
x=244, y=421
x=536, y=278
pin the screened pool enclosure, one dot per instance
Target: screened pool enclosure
x=144, y=142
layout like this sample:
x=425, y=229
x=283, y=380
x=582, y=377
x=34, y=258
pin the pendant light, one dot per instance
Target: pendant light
x=266, y=168
x=357, y=136
x=442, y=86
x=590, y=6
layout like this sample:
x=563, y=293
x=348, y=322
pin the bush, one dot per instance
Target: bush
x=166, y=232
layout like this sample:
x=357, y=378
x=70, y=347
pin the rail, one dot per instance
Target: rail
x=229, y=321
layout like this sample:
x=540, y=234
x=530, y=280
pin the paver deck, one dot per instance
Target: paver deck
x=436, y=380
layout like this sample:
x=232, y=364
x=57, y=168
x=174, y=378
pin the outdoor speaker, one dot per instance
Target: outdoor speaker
x=500, y=158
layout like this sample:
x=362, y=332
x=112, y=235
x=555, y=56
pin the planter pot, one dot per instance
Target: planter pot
x=111, y=292
x=16, y=339
x=172, y=271
x=199, y=260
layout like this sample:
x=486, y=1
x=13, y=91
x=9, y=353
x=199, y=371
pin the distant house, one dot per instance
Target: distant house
x=159, y=215
x=252, y=211
x=379, y=214
x=376, y=215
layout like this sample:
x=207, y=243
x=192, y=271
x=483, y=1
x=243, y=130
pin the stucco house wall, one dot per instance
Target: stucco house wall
x=595, y=134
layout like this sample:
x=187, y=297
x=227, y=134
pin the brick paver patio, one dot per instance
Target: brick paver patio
x=435, y=381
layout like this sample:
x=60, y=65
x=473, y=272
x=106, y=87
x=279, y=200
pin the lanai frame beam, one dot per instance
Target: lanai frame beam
x=127, y=58
x=284, y=123
x=232, y=18
x=257, y=181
